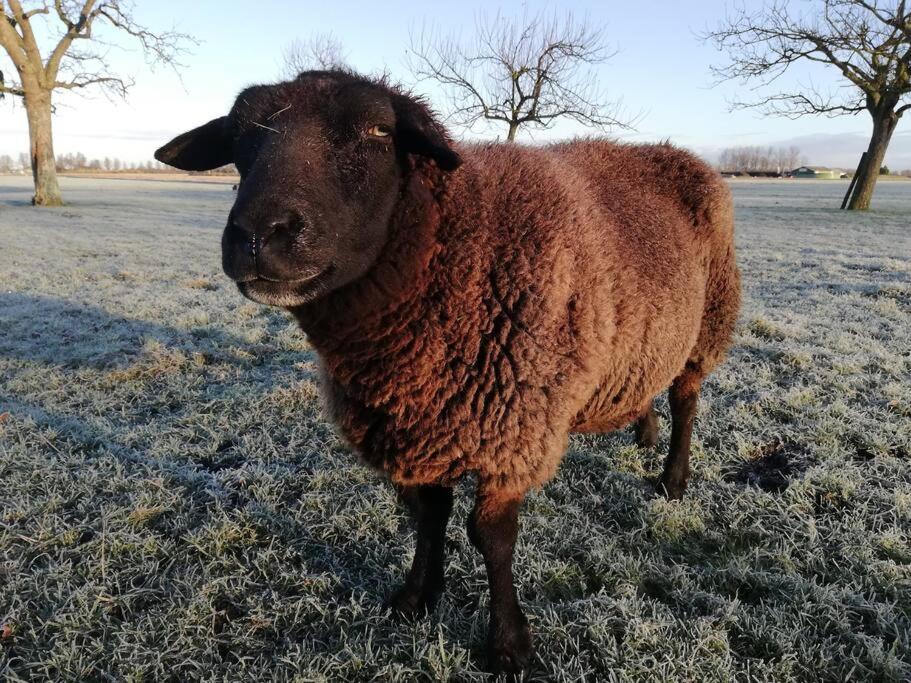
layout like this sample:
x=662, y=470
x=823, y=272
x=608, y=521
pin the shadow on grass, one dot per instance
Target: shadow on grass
x=775, y=465
x=60, y=332
x=16, y=195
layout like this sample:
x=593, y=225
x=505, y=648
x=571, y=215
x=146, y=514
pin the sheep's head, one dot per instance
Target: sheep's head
x=321, y=161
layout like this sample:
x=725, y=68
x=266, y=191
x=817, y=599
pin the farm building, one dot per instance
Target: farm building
x=818, y=172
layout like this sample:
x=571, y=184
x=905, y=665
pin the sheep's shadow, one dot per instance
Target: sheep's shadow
x=61, y=332
x=77, y=336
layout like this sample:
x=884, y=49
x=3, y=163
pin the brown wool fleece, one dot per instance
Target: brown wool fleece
x=531, y=293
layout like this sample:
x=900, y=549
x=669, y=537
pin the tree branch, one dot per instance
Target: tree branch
x=527, y=72
x=163, y=48
x=80, y=28
x=14, y=90
x=320, y=51
x=869, y=45
x=112, y=82
x=13, y=43
x=796, y=105
x=38, y=10
x=27, y=39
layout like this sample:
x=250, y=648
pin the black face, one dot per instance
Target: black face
x=321, y=160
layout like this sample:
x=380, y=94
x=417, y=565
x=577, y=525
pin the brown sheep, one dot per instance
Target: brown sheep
x=469, y=320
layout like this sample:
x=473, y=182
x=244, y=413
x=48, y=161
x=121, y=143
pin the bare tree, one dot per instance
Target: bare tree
x=72, y=59
x=867, y=42
x=320, y=51
x=527, y=72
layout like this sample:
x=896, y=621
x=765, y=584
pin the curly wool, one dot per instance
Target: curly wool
x=531, y=293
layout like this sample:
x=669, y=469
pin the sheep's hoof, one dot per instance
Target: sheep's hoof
x=412, y=603
x=510, y=649
x=671, y=487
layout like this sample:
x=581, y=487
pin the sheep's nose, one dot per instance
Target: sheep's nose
x=261, y=230
x=265, y=242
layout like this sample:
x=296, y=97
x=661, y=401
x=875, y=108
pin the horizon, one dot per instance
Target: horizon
x=163, y=104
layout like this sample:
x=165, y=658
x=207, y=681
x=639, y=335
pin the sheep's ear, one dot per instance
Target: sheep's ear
x=416, y=132
x=200, y=149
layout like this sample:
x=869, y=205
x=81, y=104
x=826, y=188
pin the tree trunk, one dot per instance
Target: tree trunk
x=513, y=127
x=883, y=127
x=41, y=149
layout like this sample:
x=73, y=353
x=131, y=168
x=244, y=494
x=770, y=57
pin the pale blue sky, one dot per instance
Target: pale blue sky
x=661, y=70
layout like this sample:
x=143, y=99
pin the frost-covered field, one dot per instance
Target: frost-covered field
x=173, y=507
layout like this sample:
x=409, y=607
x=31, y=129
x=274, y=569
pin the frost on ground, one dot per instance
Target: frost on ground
x=172, y=506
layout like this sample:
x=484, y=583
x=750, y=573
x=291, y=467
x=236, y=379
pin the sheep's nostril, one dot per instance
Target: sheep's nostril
x=275, y=226
x=291, y=222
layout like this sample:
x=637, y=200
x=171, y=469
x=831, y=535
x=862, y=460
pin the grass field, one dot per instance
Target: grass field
x=173, y=507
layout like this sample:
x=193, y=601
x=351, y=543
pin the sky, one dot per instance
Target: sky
x=661, y=72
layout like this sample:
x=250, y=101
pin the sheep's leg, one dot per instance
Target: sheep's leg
x=492, y=528
x=430, y=506
x=647, y=428
x=684, y=395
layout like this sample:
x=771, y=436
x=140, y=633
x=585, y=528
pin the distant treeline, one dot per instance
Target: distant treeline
x=778, y=159
x=79, y=162
x=769, y=160
x=732, y=159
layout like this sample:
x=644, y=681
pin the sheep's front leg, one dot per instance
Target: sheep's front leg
x=492, y=528
x=430, y=506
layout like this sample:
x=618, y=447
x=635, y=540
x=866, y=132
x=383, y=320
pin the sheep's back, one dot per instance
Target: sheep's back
x=620, y=235
x=668, y=215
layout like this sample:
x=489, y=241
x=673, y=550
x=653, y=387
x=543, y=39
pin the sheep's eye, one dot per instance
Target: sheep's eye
x=379, y=132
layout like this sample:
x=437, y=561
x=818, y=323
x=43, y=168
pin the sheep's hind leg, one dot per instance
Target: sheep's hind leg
x=647, y=428
x=493, y=528
x=684, y=396
x=430, y=506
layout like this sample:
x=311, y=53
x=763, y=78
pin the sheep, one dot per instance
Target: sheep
x=472, y=305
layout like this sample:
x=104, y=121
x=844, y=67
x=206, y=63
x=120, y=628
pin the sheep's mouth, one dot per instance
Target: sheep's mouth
x=265, y=290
